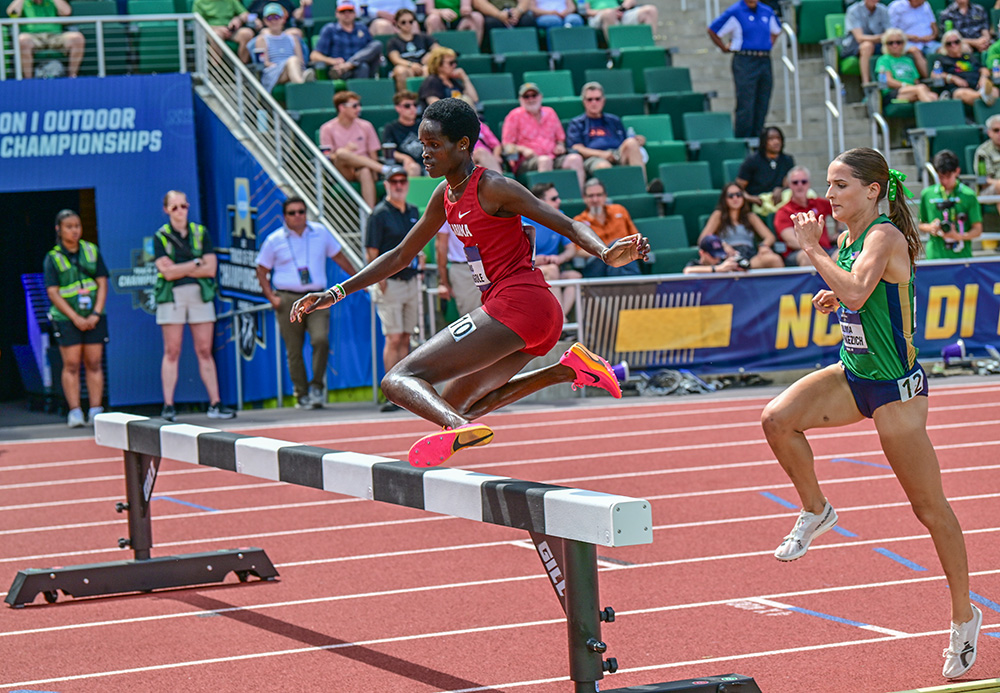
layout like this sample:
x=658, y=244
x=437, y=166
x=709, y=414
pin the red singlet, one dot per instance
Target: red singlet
x=499, y=255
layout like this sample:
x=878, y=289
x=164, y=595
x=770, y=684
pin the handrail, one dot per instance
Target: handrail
x=791, y=68
x=834, y=111
x=712, y=10
x=880, y=123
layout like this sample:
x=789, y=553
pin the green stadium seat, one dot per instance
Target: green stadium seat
x=621, y=36
x=717, y=152
x=663, y=80
x=565, y=181
x=572, y=39
x=378, y=116
x=846, y=66
x=707, y=126
x=938, y=114
x=731, y=169
x=462, y=42
x=554, y=84
x=613, y=81
x=663, y=153
x=980, y=111
x=676, y=105
x=421, y=190
x=624, y=104
x=636, y=51
x=693, y=175
x=516, y=40
x=310, y=121
x=655, y=128
x=517, y=64
x=691, y=204
x=673, y=261
x=664, y=233
x=309, y=96
x=413, y=84
x=622, y=180
x=811, y=14
x=373, y=92
x=638, y=206
x=497, y=87
x=956, y=139
x=95, y=8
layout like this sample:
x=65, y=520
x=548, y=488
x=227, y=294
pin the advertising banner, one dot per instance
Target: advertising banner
x=767, y=322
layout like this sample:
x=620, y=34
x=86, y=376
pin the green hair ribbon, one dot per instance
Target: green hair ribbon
x=897, y=177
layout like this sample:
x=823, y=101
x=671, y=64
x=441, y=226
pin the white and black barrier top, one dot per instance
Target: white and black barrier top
x=557, y=511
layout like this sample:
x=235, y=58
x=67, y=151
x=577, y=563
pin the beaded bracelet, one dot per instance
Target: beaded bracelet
x=337, y=292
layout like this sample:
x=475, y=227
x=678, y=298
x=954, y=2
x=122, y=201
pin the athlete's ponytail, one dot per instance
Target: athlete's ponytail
x=869, y=167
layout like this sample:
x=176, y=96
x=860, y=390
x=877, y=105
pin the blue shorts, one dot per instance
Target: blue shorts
x=869, y=395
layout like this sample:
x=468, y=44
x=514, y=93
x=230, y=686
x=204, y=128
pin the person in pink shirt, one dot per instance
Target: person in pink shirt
x=533, y=132
x=798, y=180
x=352, y=145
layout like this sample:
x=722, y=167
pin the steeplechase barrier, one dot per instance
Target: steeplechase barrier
x=565, y=524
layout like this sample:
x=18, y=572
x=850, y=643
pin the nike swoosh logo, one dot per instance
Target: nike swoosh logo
x=596, y=379
x=462, y=214
x=456, y=446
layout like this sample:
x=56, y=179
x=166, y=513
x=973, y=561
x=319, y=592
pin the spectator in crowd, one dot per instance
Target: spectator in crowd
x=964, y=77
x=949, y=212
x=601, y=14
x=550, y=13
x=864, y=24
x=185, y=294
x=500, y=14
x=295, y=257
x=799, y=179
x=971, y=20
x=553, y=250
x=534, y=138
x=763, y=174
x=487, y=151
x=454, y=278
x=280, y=51
x=402, y=132
x=445, y=15
x=228, y=19
x=915, y=18
x=993, y=53
x=600, y=137
x=46, y=36
x=745, y=234
x=397, y=299
x=610, y=222
x=751, y=29
x=352, y=145
x=409, y=50
x=347, y=47
x=76, y=281
x=380, y=15
x=986, y=163
x=712, y=258
x=898, y=73
x=445, y=78
x=294, y=17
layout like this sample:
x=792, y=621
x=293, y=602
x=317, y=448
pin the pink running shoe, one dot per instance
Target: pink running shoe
x=591, y=369
x=436, y=448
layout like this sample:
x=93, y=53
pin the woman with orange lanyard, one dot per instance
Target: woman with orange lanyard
x=481, y=353
x=878, y=376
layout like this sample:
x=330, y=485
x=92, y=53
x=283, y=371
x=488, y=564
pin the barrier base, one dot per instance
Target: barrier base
x=115, y=577
x=723, y=683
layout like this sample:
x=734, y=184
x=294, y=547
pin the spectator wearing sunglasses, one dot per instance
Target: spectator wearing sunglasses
x=986, y=162
x=600, y=137
x=403, y=133
x=801, y=201
x=534, y=138
x=352, y=145
x=446, y=79
x=965, y=78
x=745, y=235
x=280, y=51
x=409, y=50
x=380, y=15
x=898, y=73
x=347, y=47
x=290, y=264
x=971, y=21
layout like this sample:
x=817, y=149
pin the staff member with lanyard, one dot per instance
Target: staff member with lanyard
x=751, y=28
x=295, y=255
x=76, y=281
x=185, y=294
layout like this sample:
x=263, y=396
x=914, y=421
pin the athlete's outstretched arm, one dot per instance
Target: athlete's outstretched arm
x=503, y=197
x=385, y=265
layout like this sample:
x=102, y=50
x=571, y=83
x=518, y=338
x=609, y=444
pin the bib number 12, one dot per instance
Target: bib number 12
x=910, y=386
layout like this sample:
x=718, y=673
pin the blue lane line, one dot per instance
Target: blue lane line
x=791, y=506
x=828, y=617
x=993, y=635
x=980, y=599
x=844, y=532
x=867, y=464
x=190, y=505
x=899, y=559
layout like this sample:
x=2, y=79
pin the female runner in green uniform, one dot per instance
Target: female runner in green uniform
x=878, y=375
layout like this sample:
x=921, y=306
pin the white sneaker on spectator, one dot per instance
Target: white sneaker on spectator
x=75, y=418
x=961, y=652
x=807, y=528
x=92, y=412
x=316, y=397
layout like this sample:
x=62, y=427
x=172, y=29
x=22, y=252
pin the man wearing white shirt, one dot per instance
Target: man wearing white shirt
x=295, y=256
x=916, y=19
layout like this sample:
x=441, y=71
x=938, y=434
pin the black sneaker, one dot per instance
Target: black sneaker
x=389, y=406
x=220, y=411
x=168, y=413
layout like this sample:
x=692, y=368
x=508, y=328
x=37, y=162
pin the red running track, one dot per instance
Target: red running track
x=374, y=597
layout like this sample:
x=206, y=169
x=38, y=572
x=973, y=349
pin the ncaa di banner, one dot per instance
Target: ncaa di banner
x=767, y=322
x=130, y=140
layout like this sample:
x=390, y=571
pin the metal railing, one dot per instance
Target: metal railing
x=790, y=43
x=834, y=111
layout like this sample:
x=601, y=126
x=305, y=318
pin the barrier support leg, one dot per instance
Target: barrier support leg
x=145, y=573
x=583, y=622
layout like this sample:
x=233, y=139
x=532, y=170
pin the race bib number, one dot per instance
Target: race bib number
x=462, y=328
x=854, y=333
x=910, y=386
x=476, y=265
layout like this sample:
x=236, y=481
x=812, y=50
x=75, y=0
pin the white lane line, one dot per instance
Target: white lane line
x=113, y=499
x=797, y=609
x=95, y=479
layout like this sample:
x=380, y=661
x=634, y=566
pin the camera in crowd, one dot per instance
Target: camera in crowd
x=943, y=206
x=741, y=261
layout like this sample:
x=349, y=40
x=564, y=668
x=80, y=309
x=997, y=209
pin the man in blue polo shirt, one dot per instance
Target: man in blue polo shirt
x=599, y=137
x=751, y=28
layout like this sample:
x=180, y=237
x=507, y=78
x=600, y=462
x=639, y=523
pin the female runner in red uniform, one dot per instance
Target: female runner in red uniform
x=481, y=352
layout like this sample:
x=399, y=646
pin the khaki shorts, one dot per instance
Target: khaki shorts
x=49, y=42
x=187, y=308
x=398, y=305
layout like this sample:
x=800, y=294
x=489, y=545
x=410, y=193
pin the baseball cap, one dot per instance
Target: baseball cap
x=712, y=245
x=526, y=87
x=273, y=9
x=395, y=171
x=343, y=6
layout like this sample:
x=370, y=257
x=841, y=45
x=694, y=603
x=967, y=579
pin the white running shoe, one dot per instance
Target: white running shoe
x=961, y=652
x=75, y=418
x=807, y=528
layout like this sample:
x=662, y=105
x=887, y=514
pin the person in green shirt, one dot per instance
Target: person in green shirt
x=443, y=15
x=46, y=36
x=228, y=18
x=949, y=212
x=898, y=73
x=600, y=14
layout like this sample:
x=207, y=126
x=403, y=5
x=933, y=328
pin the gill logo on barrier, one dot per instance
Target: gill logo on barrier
x=147, y=484
x=552, y=567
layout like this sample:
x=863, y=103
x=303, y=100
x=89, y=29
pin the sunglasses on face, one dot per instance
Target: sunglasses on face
x=800, y=182
x=294, y=212
x=594, y=98
x=182, y=205
x=894, y=43
x=353, y=105
x=994, y=129
x=408, y=104
x=406, y=22
x=530, y=95
x=952, y=43
x=398, y=181
x=734, y=195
